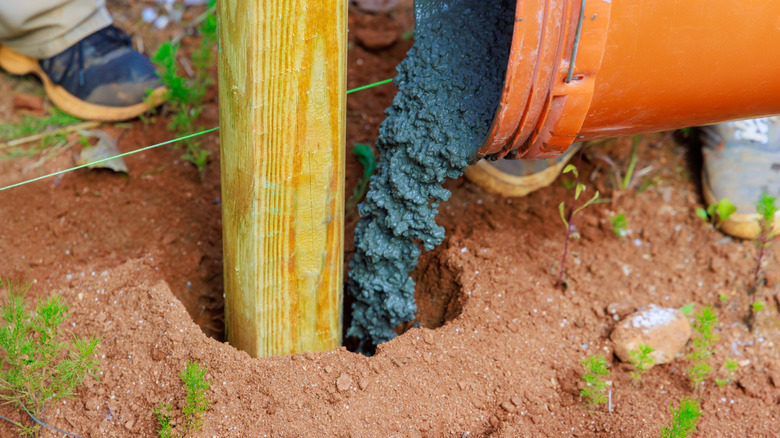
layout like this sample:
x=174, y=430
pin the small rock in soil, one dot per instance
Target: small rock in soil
x=343, y=382
x=621, y=309
x=665, y=329
x=507, y=406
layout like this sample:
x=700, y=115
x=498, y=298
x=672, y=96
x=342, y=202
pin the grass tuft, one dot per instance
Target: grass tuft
x=195, y=406
x=767, y=210
x=37, y=368
x=185, y=97
x=684, y=419
x=195, y=403
x=703, y=345
x=641, y=360
x=595, y=390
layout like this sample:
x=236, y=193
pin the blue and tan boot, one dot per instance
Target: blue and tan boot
x=519, y=177
x=742, y=161
x=99, y=78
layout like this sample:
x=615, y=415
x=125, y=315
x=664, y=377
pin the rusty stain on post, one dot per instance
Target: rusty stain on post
x=282, y=95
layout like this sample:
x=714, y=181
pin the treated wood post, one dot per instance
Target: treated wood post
x=282, y=85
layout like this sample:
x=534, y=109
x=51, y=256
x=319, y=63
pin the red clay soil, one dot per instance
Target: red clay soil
x=497, y=349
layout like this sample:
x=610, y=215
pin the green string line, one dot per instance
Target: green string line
x=81, y=166
x=369, y=85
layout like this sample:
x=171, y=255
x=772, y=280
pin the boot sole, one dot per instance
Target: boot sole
x=17, y=64
x=743, y=226
x=495, y=181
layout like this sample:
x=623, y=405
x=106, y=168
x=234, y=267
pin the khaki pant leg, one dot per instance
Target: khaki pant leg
x=44, y=28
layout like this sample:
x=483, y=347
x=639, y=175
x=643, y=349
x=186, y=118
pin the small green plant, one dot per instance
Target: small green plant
x=766, y=208
x=185, y=96
x=165, y=420
x=730, y=366
x=717, y=213
x=195, y=402
x=619, y=224
x=38, y=369
x=723, y=298
x=365, y=156
x=595, y=388
x=684, y=419
x=703, y=345
x=32, y=135
x=641, y=360
x=686, y=309
x=620, y=181
x=758, y=306
x=633, y=158
x=573, y=210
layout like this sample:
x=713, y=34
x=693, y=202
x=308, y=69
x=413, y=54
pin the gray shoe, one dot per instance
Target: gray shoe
x=742, y=161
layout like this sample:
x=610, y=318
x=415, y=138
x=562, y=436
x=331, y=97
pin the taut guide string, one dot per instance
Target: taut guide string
x=81, y=166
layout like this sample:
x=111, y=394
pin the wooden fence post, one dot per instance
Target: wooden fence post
x=282, y=105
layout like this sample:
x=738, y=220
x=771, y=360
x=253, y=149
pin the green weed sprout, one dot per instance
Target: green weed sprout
x=641, y=360
x=730, y=366
x=686, y=309
x=185, y=96
x=365, y=156
x=595, y=388
x=766, y=208
x=704, y=323
x=717, y=213
x=624, y=184
x=723, y=298
x=49, y=129
x=164, y=419
x=758, y=306
x=619, y=224
x=195, y=402
x=37, y=369
x=684, y=419
x=573, y=210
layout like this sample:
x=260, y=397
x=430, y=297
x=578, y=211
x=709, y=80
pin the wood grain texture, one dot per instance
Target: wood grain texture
x=282, y=96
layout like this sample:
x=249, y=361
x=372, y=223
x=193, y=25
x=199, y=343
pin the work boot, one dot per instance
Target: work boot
x=99, y=78
x=742, y=160
x=519, y=177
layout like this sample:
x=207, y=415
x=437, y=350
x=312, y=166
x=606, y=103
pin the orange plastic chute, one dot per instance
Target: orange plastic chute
x=638, y=67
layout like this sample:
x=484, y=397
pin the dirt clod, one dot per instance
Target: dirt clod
x=344, y=382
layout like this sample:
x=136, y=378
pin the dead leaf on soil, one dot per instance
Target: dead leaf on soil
x=105, y=148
